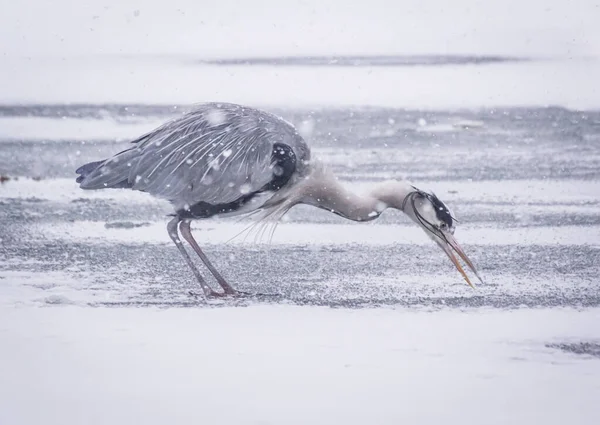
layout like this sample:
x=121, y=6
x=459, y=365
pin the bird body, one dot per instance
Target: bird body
x=212, y=160
x=226, y=159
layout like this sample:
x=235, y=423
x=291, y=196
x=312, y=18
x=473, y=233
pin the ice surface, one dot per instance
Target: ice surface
x=296, y=365
x=315, y=234
x=524, y=187
x=501, y=194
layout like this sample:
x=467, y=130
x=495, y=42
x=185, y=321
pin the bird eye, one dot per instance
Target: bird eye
x=443, y=226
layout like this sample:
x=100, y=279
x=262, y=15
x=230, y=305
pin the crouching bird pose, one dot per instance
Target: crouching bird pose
x=225, y=159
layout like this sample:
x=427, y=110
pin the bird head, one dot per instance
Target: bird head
x=436, y=219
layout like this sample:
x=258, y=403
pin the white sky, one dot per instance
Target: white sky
x=271, y=27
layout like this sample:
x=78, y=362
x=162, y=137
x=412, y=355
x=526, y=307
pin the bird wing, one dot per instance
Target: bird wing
x=214, y=154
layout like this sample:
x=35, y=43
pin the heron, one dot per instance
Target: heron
x=224, y=159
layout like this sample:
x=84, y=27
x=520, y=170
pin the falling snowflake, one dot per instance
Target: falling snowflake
x=306, y=128
x=245, y=189
x=216, y=117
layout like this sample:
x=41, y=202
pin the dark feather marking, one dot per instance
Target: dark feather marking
x=441, y=211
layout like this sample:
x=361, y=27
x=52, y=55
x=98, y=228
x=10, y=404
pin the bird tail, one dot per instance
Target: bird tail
x=112, y=173
x=86, y=169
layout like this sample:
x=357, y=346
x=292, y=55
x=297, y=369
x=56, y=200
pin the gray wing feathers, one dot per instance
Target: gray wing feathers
x=112, y=172
x=214, y=154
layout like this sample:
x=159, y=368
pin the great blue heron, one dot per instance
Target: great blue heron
x=226, y=159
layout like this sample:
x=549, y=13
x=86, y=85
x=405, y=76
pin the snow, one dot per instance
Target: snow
x=312, y=234
x=155, y=57
x=567, y=82
x=296, y=365
x=560, y=195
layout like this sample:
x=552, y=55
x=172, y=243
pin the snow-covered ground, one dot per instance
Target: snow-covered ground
x=296, y=365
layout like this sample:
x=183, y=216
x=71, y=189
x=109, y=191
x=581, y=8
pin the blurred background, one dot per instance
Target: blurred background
x=510, y=52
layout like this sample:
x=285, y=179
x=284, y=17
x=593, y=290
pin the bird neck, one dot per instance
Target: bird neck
x=326, y=192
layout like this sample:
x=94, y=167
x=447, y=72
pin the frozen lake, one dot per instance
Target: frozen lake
x=524, y=185
x=372, y=323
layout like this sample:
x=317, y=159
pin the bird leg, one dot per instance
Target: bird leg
x=172, y=229
x=186, y=232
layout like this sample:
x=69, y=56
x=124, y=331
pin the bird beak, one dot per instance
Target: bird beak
x=449, y=244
